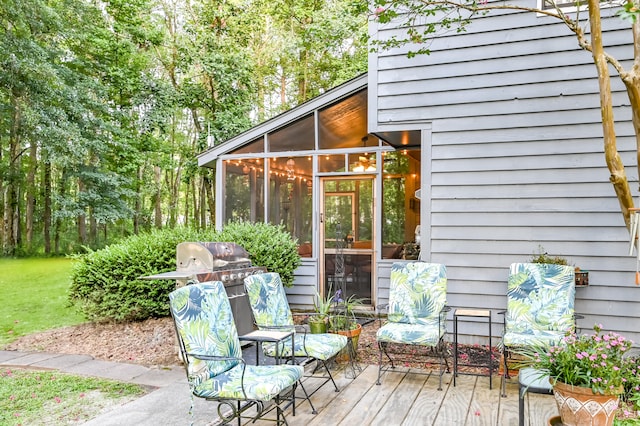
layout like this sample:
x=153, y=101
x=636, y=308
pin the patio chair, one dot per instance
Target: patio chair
x=416, y=311
x=540, y=300
x=211, y=351
x=271, y=311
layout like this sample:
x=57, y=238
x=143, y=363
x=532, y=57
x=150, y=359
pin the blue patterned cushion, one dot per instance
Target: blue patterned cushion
x=318, y=346
x=271, y=311
x=417, y=297
x=204, y=321
x=540, y=304
x=260, y=382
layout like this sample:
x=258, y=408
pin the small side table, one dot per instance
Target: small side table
x=262, y=336
x=476, y=313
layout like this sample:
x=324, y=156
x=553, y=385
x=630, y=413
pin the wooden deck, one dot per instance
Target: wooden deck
x=411, y=397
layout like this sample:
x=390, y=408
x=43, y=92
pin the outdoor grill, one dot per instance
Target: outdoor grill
x=214, y=261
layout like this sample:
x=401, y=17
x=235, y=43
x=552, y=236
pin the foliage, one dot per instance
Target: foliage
x=630, y=398
x=36, y=293
x=595, y=361
x=44, y=397
x=106, y=284
x=344, y=312
x=322, y=306
x=543, y=257
x=105, y=105
x=268, y=245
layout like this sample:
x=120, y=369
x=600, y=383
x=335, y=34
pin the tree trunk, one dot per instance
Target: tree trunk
x=157, y=177
x=631, y=80
x=31, y=195
x=137, y=214
x=58, y=225
x=93, y=230
x=208, y=187
x=46, y=214
x=186, y=203
x=81, y=219
x=616, y=167
x=10, y=206
x=203, y=202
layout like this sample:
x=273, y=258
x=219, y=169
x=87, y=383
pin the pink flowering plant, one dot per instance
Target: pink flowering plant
x=594, y=360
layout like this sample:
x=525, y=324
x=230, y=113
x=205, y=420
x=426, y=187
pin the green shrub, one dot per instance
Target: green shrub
x=269, y=245
x=106, y=284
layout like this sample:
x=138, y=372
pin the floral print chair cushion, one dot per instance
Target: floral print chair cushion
x=211, y=349
x=271, y=311
x=417, y=298
x=540, y=304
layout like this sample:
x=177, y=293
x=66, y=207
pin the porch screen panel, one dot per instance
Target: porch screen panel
x=400, y=207
x=244, y=191
x=290, y=198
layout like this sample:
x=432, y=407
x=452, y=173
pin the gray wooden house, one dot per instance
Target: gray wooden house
x=479, y=154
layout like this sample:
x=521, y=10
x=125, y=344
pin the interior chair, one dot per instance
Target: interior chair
x=212, y=354
x=271, y=311
x=540, y=308
x=416, y=314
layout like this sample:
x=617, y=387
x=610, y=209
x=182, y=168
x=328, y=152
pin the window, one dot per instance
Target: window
x=290, y=198
x=400, y=208
x=244, y=190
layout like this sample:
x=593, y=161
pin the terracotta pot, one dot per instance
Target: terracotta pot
x=354, y=334
x=555, y=421
x=579, y=406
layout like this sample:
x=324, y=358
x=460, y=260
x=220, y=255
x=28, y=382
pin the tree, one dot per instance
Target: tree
x=445, y=15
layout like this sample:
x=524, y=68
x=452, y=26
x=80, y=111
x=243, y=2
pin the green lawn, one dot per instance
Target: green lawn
x=34, y=296
x=52, y=398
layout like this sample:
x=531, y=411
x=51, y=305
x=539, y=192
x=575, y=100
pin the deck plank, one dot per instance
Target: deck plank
x=482, y=410
x=408, y=398
x=348, y=398
x=400, y=402
x=427, y=404
x=544, y=407
x=367, y=409
x=455, y=405
x=508, y=407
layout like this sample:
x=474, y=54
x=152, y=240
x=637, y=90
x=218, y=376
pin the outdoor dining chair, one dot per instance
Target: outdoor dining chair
x=271, y=311
x=416, y=314
x=212, y=354
x=540, y=308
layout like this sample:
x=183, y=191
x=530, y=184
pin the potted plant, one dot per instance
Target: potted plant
x=589, y=367
x=581, y=277
x=322, y=307
x=343, y=321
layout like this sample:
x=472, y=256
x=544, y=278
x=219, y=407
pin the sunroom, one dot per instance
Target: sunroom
x=351, y=198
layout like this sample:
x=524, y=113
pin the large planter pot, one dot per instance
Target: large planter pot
x=579, y=406
x=354, y=336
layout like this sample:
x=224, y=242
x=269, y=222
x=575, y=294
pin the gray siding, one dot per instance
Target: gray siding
x=516, y=160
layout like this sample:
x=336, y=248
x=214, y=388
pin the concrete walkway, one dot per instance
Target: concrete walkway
x=167, y=402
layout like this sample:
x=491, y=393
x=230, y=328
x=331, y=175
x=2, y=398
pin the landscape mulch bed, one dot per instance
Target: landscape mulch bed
x=152, y=343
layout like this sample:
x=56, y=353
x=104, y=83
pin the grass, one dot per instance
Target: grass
x=34, y=293
x=30, y=397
